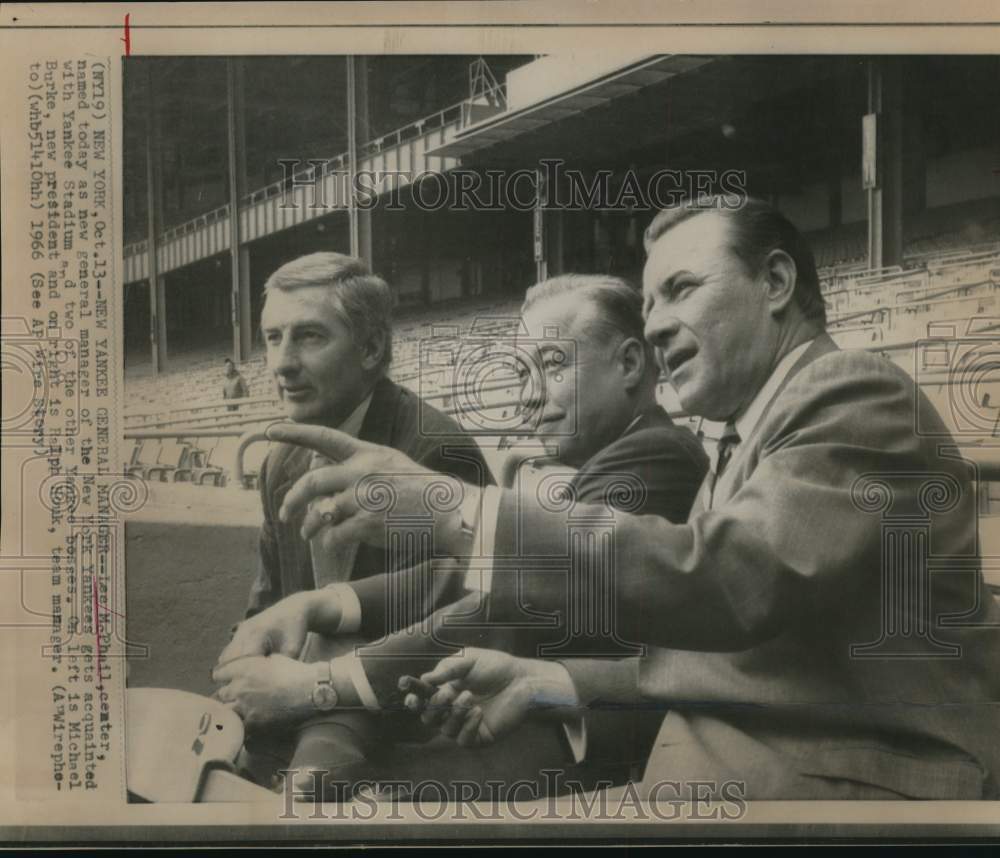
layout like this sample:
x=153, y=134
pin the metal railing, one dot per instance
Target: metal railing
x=246, y=439
x=887, y=314
x=317, y=170
x=218, y=403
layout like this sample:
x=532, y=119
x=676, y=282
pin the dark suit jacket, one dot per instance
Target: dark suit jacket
x=654, y=468
x=395, y=418
x=798, y=616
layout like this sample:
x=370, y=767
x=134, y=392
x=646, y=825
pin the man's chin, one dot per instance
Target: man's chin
x=300, y=413
x=693, y=403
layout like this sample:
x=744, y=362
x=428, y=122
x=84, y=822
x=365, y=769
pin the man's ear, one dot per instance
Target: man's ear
x=373, y=350
x=780, y=276
x=632, y=360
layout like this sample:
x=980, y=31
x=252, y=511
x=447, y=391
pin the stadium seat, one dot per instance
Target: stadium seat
x=133, y=452
x=253, y=458
x=172, y=456
x=145, y=457
x=218, y=462
x=199, y=468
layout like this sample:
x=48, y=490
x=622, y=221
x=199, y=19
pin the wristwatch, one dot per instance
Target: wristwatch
x=324, y=695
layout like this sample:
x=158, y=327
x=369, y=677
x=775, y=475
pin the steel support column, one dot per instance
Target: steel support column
x=885, y=198
x=157, y=286
x=239, y=254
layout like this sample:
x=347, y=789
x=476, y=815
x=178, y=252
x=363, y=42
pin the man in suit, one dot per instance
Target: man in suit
x=327, y=328
x=588, y=386
x=821, y=622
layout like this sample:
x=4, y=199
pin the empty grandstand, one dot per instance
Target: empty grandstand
x=913, y=256
x=906, y=253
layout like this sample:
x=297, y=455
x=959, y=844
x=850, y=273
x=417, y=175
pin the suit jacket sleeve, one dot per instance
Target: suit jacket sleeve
x=396, y=599
x=459, y=457
x=266, y=586
x=670, y=467
x=790, y=537
x=666, y=464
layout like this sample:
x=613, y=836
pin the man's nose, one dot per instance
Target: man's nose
x=283, y=358
x=532, y=395
x=660, y=328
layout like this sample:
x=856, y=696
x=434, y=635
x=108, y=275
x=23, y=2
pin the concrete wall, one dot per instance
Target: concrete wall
x=853, y=199
x=446, y=279
x=808, y=210
x=961, y=176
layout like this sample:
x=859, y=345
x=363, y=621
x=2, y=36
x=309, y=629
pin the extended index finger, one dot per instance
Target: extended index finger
x=318, y=483
x=451, y=668
x=332, y=443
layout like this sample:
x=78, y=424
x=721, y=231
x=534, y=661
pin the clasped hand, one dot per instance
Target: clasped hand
x=262, y=678
x=266, y=689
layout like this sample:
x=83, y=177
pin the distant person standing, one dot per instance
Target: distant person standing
x=235, y=386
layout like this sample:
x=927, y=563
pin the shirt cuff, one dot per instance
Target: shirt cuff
x=350, y=609
x=575, y=729
x=479, y=578
x=356, y=670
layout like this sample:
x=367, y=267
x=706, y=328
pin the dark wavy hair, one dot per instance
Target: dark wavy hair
x=757, y=228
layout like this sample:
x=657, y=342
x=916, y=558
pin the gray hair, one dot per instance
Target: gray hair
x=617, y=302
x=363, y=300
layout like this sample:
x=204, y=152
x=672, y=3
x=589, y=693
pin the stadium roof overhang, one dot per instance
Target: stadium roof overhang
x=625, y=81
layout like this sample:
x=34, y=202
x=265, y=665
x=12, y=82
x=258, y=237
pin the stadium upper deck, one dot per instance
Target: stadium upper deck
x=790, y=127
x=905, y=232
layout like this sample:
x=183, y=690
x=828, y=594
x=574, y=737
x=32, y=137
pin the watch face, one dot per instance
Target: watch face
x=324, y=696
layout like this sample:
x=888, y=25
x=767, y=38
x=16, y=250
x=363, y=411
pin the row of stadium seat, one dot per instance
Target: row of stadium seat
x=193, y=459
x=195, y=383
x=932, y=233
x=887, y=311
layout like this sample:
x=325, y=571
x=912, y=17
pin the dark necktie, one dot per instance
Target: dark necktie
x=724, y=452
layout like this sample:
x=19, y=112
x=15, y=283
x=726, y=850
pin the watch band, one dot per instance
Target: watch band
x=469, y=512
x=324, y=693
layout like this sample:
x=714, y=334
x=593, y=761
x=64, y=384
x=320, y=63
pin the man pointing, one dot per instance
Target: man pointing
x=821, y=624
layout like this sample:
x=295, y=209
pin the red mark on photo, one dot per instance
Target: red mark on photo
x=127, y=38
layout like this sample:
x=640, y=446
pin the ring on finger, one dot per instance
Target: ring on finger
x=329, y=513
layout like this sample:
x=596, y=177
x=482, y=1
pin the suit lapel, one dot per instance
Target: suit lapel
x=379, y=422
x=732, y=479
x=296, y=463
x=823, y=344
x=653, y=416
